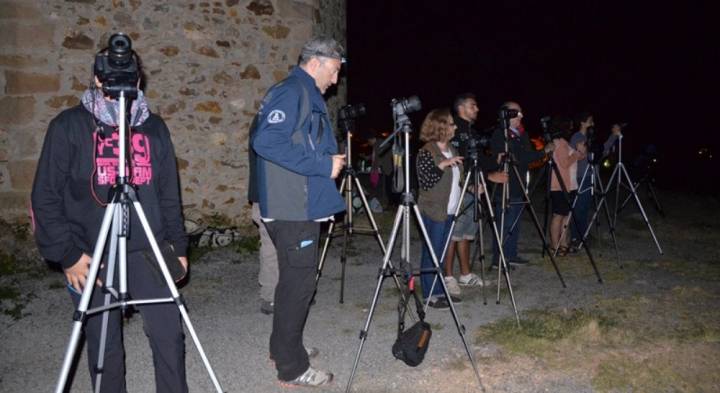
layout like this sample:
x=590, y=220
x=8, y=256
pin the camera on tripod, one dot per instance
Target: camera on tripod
x=404, y=106
x=506, y=113
x=475, y=144
x=352, y=111
x=117, y=67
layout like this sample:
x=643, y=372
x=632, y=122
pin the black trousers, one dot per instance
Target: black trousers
x=161, y=323
x=296, y=243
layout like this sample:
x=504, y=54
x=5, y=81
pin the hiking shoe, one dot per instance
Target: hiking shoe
x=439, y=303
x=267, y=307
x=452, y=286
x=470, y=280
x=311, y=377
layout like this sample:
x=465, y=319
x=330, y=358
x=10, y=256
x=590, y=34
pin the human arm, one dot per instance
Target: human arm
x=51, y=226
x=428, y=173
x=274, y=142
x=168, y=189
x=615, y=134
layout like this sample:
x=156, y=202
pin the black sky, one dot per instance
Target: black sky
x=650, y=65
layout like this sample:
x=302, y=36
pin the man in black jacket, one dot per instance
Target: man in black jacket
x=77, y=167
x=521, y=154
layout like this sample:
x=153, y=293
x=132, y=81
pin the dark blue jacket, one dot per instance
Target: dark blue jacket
x=294, y=165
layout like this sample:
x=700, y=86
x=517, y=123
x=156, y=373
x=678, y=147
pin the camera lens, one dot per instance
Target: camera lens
x=406, y=105
x=119, y=50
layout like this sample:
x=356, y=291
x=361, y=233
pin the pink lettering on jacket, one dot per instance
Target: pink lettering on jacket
x=106, y=159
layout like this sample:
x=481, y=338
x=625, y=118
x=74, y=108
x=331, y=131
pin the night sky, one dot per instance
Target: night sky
x=649, y=65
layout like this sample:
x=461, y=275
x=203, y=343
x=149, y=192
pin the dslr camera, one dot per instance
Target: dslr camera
x=404, y=106
x=117, y=67
x=352, y=111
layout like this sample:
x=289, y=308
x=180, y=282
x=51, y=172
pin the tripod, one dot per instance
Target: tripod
x=479, y=179
x=508, y=165
x=648, y=180
x=595, y=182
x=563, y=188
x=116, y=221
x=348, y=229
x=618, y=175
x=402, y=217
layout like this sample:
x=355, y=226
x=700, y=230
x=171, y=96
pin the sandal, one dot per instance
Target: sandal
x=562, y=251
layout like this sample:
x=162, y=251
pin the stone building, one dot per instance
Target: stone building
x=208, y=65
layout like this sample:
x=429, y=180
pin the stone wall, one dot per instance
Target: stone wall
x=208, y=65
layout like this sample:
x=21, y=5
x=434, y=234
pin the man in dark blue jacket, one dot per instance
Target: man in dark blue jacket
x=297, y=162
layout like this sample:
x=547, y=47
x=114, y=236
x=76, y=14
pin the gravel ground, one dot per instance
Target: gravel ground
x=223, y=302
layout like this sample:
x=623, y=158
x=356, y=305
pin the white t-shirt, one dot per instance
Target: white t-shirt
x=455, y=187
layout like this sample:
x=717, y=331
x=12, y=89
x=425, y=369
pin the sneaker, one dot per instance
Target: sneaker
x=311, y=377
x=267, y=307
x=439, y=303
x=452, y=286
x=312, y=352
x=471, y=280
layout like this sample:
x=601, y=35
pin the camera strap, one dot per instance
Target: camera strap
x=402, y=303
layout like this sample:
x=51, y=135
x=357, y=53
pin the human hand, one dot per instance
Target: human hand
x=498, y=177
x=76, y=274
x=453, y=161
x=184, y=263
x=338, y=161
x=616, y=129
x=549, y=147
x=581, y=147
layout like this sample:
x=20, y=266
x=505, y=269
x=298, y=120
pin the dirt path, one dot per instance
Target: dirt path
x=652, y=326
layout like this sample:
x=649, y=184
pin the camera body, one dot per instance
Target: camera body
x=348, y=112
x=403, y=106
x=506, y=113
x=117, y=67
x=475, y=143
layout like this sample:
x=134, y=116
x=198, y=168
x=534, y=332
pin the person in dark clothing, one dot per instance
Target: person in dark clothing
x=297, y=161
x=78, y=164
x=521, y=154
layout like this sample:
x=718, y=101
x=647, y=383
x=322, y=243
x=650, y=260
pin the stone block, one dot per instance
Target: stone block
x=19, y=82
x=21, y=61
x=208, y=106
x=62, y=101
x=278, y=32
x=17, y=10
x=251, y=72
x=291, y=9
x=261, y=7
x=22, y=173
x=14, y=200
x=16, y=36
x=16, y=110
x=78, y=41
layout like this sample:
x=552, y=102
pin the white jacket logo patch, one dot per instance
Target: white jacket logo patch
x=276, y=116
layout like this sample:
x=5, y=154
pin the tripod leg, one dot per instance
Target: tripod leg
x=655, y=198
x=376, y=296
x=175, y=294
x=438, y=272
x=380, y=242
x=537, y=225
x=79, y=317
x=109, y=278
x=637, y=200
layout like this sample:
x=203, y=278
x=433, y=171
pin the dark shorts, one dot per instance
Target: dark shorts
x=560, y=205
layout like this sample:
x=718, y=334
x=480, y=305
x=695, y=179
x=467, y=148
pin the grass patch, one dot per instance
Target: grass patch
x=669, y=341
x=540, y=331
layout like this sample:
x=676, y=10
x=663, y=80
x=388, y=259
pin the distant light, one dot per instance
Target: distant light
x=606, y=164
x=654, y=159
